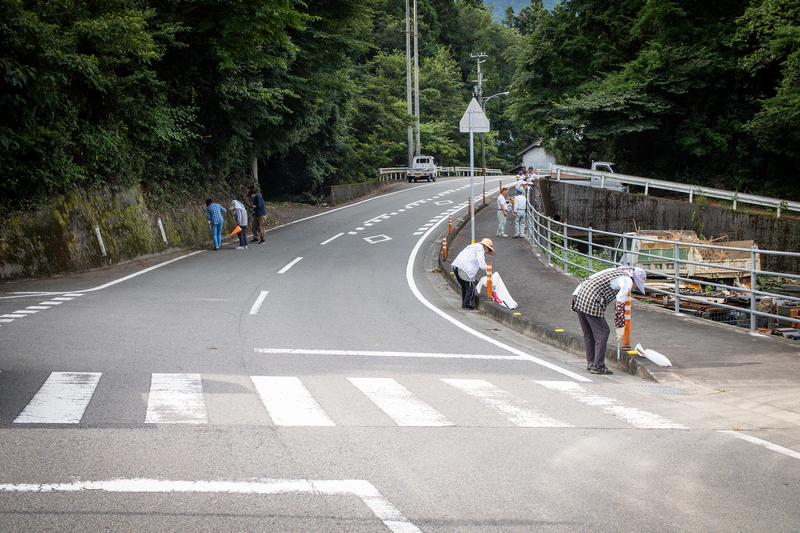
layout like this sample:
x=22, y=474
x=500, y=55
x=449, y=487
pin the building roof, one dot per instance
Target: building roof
x=530, y=147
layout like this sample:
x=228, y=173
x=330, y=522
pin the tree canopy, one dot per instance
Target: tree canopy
x=183, y=95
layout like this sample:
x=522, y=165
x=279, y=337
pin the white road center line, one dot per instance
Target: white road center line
x=630, y=415
x=764, y=443
x=61, y=400
x=289, y=403
x=332, y=238
x=290, y=265
x=366, y=491
x=176, y=399
x=511, y=407
x=258, y=302
x=399, y=403
x=373, y=353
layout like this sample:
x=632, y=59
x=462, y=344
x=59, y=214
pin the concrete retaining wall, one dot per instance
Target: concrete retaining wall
x=340, y=194
x=620, y=212
x=61, y=238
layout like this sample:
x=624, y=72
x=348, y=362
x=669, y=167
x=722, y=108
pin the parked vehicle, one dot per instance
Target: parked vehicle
x=423, y=167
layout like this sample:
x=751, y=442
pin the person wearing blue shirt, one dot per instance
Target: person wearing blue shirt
x=259, y=217
x=214, y=216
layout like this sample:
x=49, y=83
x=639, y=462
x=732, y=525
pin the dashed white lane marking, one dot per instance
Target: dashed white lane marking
x=331, y=239
x=176, y=399
x=511, y=407
x=372, y=353
x=382, y=508
x=62, y=298
x=290, y=265
x=61, y=400
x=39, y=307
x=257, y=304
x=50, y=303
x=399, y=403
x=764, y=443
x=630, y=415
x=25, y=311
x=289, y=403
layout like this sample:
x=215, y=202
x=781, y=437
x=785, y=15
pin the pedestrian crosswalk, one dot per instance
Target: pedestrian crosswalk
x=66, y=397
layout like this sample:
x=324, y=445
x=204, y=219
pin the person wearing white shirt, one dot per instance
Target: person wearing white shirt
x=590, y=300
x=520, y=205
x=502, y=213
x=466, y=266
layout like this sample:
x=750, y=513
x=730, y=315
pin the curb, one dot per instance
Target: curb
x=533, y=329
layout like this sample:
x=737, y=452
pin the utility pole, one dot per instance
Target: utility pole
x=478, y=91
x=408, y=86
x=416, y=73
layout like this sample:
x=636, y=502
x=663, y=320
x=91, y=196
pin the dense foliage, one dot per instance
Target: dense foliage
x=183, y=95
x=702, y=92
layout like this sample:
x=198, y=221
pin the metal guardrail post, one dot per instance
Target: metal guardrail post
x=591, y=267
x=676, y=257
x=565, y=247
x=549, y=243
x=646, y=188
x=753, y=282
x=624, y=261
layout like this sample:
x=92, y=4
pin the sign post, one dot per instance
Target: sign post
x=473, y=121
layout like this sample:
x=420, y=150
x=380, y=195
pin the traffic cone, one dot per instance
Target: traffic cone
x=234, y=232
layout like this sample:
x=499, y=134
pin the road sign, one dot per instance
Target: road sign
x=480, y=124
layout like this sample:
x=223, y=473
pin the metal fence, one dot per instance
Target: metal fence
x=731, y=295
x=780, y=205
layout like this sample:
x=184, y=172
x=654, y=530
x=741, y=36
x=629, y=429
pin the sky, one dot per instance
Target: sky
x=501, y=5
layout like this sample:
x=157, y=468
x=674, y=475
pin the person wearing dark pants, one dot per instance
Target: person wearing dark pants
x=590, y=300
x=466, y=266
x=259, y=217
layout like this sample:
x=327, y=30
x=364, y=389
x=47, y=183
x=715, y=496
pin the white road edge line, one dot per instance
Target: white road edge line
x=363, y=489
x=258, y=302
x=290, y=265
x=372, y=353
x=332, y=238
x=412, y=285
x=764, y=443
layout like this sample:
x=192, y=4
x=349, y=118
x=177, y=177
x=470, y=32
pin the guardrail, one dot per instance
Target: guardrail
x=399, y=173
x=563, y=246
x=691, y=190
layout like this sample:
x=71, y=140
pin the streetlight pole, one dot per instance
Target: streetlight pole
x=483, y=148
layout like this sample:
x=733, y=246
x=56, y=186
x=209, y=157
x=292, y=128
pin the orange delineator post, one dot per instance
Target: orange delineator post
x=469, y=209
x=489, y=281
x=484, y=195
x=450, y=223
x=626, y=335
x=444, y=247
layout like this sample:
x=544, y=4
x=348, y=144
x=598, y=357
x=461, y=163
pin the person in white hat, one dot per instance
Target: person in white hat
x=466, y=266
x=590, y=300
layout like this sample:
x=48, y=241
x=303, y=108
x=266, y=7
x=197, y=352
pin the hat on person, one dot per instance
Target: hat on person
x=519, y=191
x=489, y=244
x=639, y=277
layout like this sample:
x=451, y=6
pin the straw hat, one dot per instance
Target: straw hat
x=489, y=244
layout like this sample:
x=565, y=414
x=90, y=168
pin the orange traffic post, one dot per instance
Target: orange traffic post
x=484, y=195
x=626, y=335
x=469, y=209
x=444, y=247
x=501, y=186
x=489, y=281
x=450, y=223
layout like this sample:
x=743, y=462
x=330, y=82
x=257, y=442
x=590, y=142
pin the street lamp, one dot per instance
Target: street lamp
x=483, y=147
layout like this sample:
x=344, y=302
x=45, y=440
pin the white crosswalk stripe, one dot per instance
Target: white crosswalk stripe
x=289, y=402
x=630, y=415
x=513, y=408
x=180, y=399
x=402, y=405
x=176, y=399
x=61, y=400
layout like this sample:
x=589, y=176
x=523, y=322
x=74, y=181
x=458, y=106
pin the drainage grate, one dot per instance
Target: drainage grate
x=660, y=390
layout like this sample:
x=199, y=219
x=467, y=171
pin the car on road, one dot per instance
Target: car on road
x=423, y=167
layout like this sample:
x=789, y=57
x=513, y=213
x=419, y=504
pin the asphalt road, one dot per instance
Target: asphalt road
x=328, y=380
